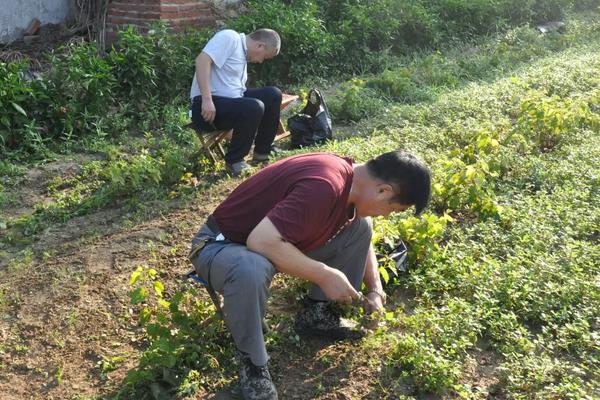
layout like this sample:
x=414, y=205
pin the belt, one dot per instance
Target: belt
x=211, y=223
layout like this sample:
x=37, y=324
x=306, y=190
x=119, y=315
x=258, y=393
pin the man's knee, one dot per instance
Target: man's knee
x=254, y=108
x=254, y=273
x=274, y=92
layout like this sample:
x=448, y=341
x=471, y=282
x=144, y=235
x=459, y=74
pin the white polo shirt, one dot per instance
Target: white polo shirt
x=228, y=74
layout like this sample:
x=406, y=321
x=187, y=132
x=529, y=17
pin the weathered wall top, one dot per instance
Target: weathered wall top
x=16, y=15
x=176, y=13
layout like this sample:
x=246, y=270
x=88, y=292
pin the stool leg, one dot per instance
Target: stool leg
x=221, y=150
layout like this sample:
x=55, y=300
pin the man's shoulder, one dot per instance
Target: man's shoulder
x=227, y=34
x=324, y=167
x=330, y=160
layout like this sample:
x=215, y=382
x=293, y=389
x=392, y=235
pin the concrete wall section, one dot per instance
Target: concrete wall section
x=15, y=15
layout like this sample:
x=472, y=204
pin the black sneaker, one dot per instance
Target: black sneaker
x=255, y=382
x=238, y=169
x=320, y=319
x=264, y=157
x=260, y=157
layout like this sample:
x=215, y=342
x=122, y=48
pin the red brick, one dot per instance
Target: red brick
x=176, y=13
x=186, y=14
x=33, y=28
x=201, y=3
x=135, y=7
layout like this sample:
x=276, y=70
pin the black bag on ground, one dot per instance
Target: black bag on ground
x=313, y=124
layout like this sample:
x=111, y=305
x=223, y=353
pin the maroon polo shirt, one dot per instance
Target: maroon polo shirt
x=304, y=196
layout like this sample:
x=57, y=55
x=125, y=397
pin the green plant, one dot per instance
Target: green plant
x=131, y=175
x=134, y=70
x=464, y=180
x=182, y=333
x=172, y=61
x=433, y=344
x=306, y=46
x=355, y=102
x=547, y=120
x=20, y=100
x=80, y=87
x=398, y=85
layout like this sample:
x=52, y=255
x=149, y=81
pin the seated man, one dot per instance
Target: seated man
x=221, y=101
x=305, y=216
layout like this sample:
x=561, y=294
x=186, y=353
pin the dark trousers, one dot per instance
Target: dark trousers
x=254, y=119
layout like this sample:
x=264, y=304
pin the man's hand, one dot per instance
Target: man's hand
x=374, y=309
x=336, y=287
x=265, y=239
x=208, y=110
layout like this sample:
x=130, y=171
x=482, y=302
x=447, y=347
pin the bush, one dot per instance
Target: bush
x=134, y=70
x=80, y=85
x=173, y=60
x=19, y=95
x=459, y=18
x=384, y=24
x=550, y=10
x=398, y=85
x=355, y=102
x=306, y=46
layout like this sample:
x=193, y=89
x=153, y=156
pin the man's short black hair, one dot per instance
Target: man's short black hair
x=409, y=176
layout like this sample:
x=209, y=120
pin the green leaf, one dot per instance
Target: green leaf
x=164, y=303
x=158, y=288
x=18, y=108
x=384, y=274
x=135, y=276
x=138, y=295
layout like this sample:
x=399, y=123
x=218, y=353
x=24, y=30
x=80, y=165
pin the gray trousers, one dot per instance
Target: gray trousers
x=243, y=278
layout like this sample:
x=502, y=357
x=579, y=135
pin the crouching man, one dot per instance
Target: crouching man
x=306, y=216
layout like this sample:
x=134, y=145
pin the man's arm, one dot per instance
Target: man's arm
x=373, y=282
x=265, y=239
x=203, y=68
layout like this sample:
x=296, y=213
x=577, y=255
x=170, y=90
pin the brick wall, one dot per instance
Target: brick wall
x=141, y=13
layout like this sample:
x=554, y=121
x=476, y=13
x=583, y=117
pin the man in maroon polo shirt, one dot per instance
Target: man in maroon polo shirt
x=306, y=216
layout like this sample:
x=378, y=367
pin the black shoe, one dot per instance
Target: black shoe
x=260, y=157
x=238, y=169
x=255, y=381
x=320, y=319
x=264, y=157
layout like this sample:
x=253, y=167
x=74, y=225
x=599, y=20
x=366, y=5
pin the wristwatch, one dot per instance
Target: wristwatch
x=379, y=293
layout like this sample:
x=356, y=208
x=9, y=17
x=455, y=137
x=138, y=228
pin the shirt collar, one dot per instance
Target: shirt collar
x=244, y=45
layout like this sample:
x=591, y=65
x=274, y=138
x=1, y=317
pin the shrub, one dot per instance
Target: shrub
x=81, y=88
x=461, y=18
x=355, y=102
x=306, y=46
x=547, y=120
x=379, y=24
x=399, y=86
x=550, y=10
x=173, y=60
x=182, y=333
x=19, y=95
x=134, y=70
x=129, y=176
